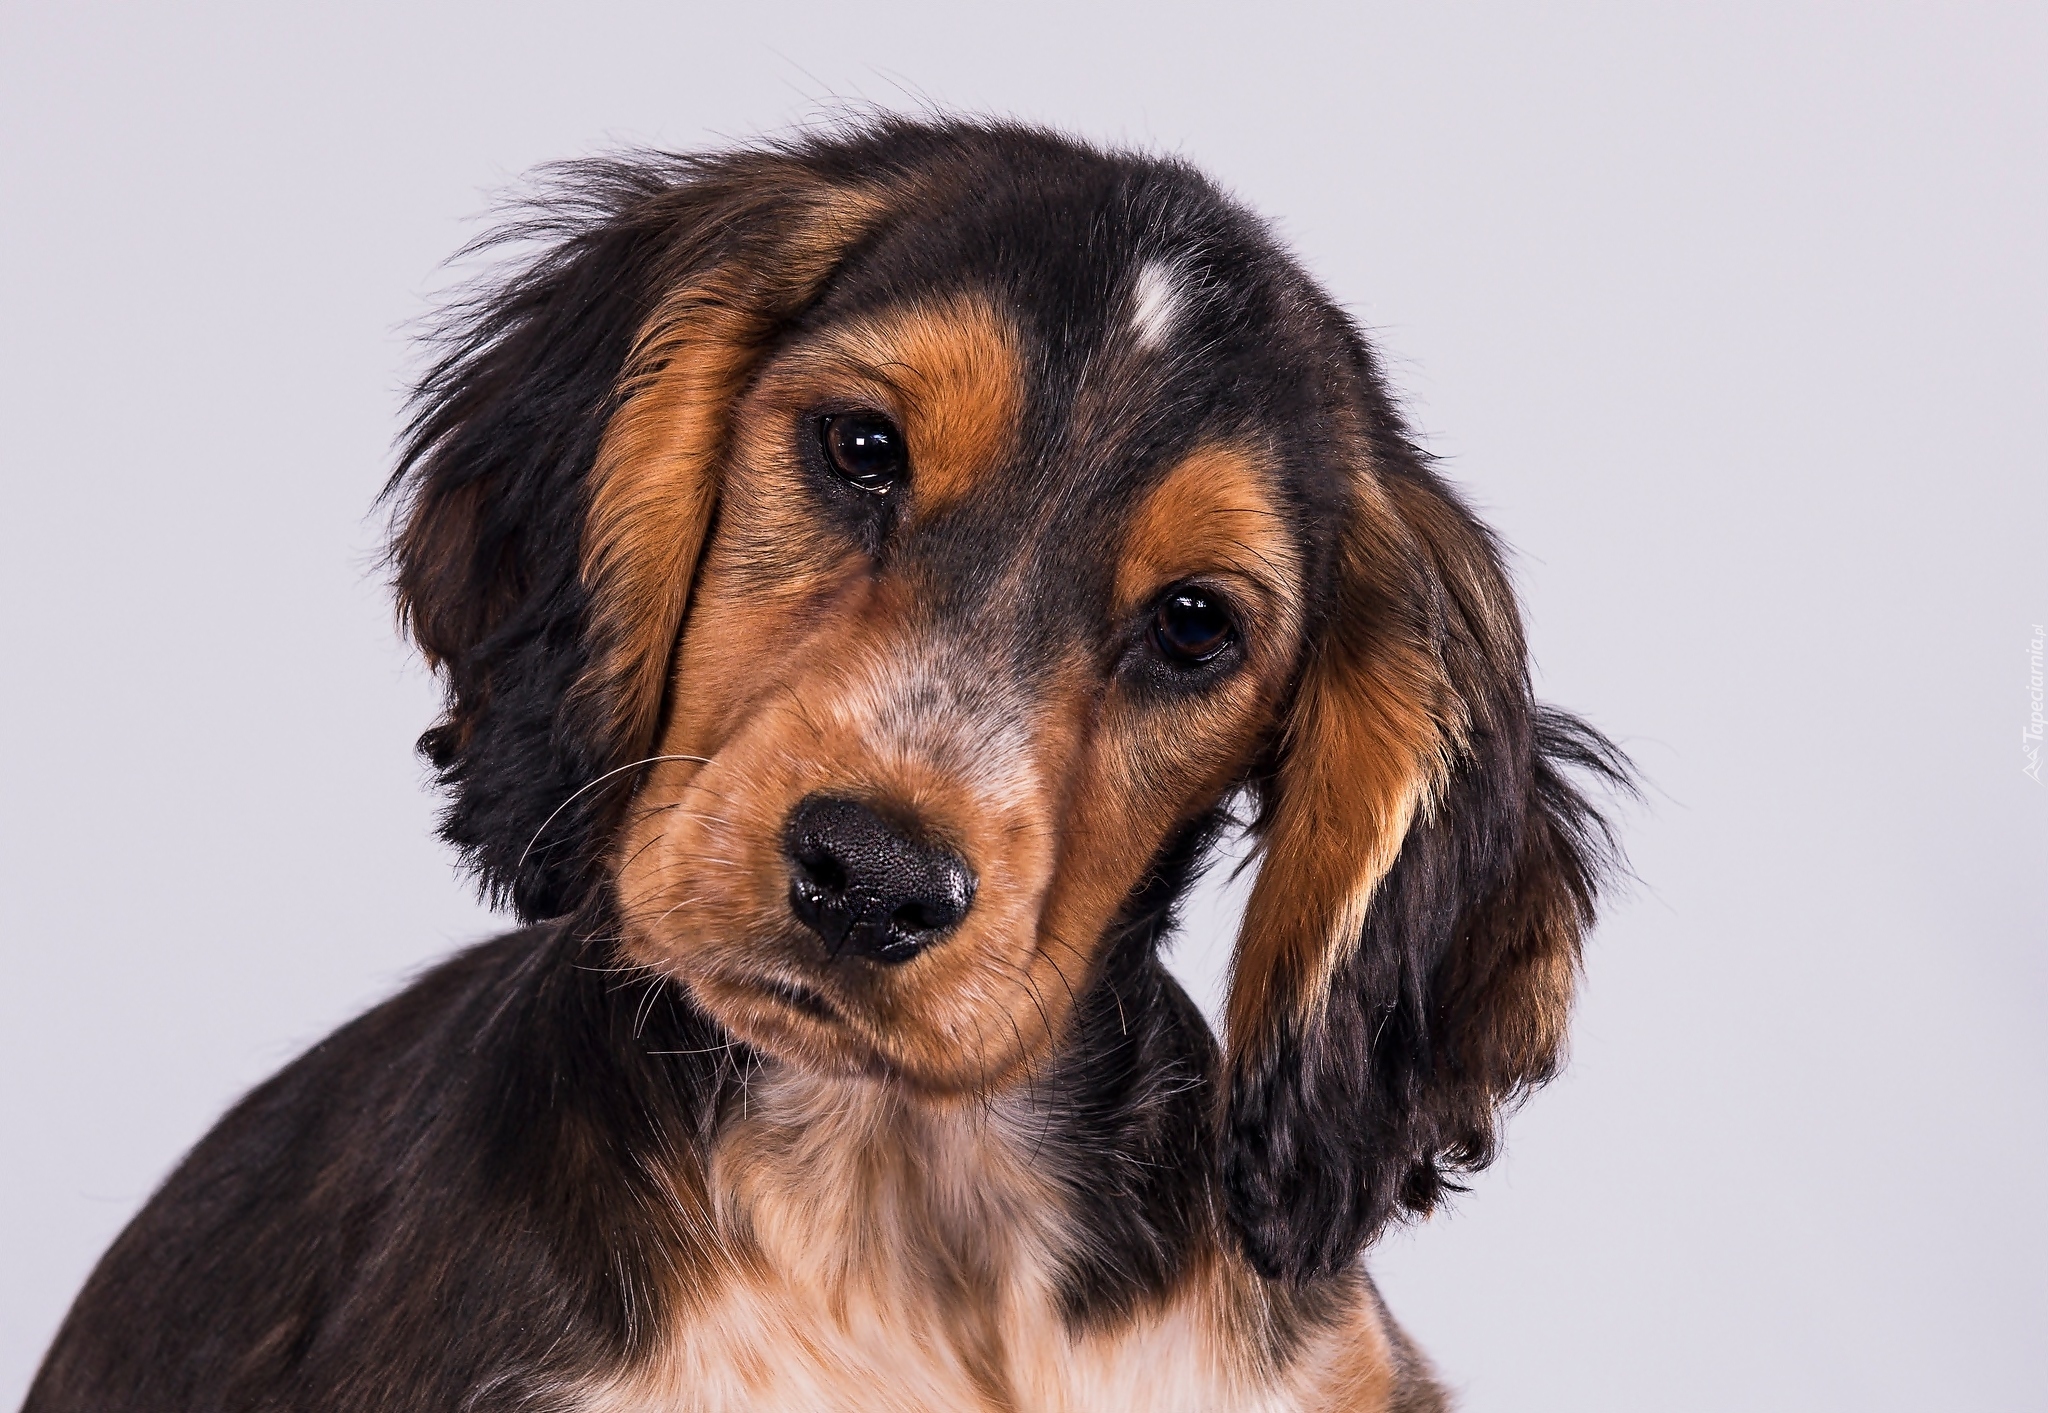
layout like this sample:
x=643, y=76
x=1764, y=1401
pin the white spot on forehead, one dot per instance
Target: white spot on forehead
x=1155, y=302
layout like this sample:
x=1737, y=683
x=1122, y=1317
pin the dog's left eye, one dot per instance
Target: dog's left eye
x=864, y=449
x=1192, y=626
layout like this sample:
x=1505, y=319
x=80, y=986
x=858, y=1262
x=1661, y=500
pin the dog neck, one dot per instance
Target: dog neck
x=841, y=1184
x=1035, y=1247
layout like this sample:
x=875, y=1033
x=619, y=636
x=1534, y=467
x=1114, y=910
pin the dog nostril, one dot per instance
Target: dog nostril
x=820, y=868
x=922, y=917
x=868, y=887
x=923, y=920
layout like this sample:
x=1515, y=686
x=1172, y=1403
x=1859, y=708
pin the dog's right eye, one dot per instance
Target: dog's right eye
x=864, y=449
x=1192, y=626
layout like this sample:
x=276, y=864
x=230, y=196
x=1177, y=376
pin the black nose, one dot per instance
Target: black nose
x=866, y=887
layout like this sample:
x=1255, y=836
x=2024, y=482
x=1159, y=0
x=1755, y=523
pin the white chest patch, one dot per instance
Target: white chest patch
x=1156, y=301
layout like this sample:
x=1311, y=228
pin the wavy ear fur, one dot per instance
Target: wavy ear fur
x=558, y=476
x=1412, y=942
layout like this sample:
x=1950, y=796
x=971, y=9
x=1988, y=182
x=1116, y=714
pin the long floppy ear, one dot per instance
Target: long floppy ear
x=1411, y=945
x=560, y=472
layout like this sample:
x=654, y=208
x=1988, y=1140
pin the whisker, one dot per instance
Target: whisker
x=611, y=971
x=1058, y=970
x=641, y=812
x=663, y=916
x=585, y=789
x=651, y=841
x=646, y=1007
x=1031, y=1076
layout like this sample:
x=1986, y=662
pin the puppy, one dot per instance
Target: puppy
x=864, y=572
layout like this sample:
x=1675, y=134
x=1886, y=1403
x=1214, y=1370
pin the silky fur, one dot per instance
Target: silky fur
x=930, y=1281
x=656, y=1151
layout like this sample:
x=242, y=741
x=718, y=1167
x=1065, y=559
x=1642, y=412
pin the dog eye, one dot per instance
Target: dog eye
x=864, y=449
x=1191, y=626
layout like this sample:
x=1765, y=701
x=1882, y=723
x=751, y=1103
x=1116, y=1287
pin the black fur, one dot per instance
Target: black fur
x=493, y=471
x=465, y=1160
x=1392, y=1055
x=1135, y=1087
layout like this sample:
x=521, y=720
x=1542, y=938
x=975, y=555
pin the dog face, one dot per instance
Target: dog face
x=1002, y=592
x=856, y=565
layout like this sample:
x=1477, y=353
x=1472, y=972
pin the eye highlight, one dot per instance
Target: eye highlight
x=1191, y=625
x=864, y=449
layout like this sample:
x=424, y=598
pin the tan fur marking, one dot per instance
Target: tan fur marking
x=654, y=483
x=880, y=711
x=1150, y=767
x=952, y=375
x=1358, y=770
x=1369, y=742
x=1212, y=513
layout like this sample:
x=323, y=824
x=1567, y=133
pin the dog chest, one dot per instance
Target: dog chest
x=875, y=1255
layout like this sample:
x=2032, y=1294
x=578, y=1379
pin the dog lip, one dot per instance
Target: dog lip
x=805, y=1000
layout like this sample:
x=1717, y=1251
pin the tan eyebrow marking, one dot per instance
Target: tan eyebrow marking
x=1212, y=513
x=956, y=376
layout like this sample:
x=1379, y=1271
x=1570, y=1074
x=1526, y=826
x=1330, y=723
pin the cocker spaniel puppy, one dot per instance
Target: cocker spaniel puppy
x=864, y=572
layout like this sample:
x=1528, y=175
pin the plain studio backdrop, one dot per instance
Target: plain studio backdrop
x=1733, y=320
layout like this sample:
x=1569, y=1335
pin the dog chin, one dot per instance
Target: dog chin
x=794, y=1022
x=783, y=1018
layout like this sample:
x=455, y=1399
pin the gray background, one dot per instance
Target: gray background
x=1732, y=322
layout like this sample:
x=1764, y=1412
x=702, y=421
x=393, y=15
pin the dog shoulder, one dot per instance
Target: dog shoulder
x=305, y=1228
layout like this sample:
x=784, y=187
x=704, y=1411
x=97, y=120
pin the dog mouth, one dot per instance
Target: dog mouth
x=772, y=998
x=805, y=1000
x=792, y=1020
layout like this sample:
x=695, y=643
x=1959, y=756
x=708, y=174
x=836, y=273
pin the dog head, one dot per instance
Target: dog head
x=855, y=564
